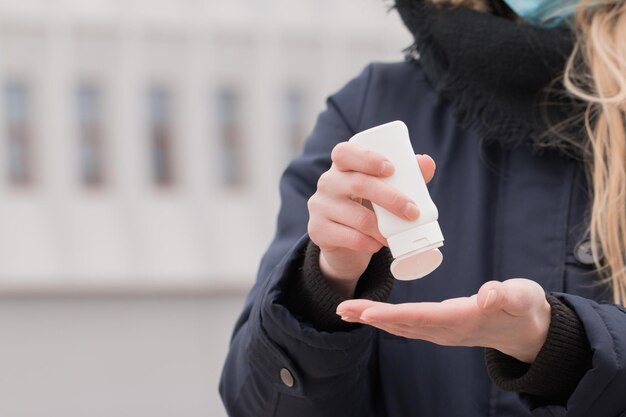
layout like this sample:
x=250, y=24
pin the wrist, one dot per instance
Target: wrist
x=312, y=299
x=344, y=282
x=560, y=365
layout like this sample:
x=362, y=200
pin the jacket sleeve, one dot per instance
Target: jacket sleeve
x=602, y=389
x=276, y=364
x=563, y=360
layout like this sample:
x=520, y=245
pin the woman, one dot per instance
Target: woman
x=523, y=106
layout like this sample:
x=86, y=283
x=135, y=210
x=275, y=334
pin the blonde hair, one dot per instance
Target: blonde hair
x=596, y=73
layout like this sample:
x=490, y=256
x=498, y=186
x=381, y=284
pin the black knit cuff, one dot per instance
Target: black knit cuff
x=560, y=365
x=311, y=298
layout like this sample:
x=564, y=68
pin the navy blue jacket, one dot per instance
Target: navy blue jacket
x=505, y=213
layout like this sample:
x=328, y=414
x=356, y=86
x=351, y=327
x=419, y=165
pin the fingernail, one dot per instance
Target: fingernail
x=365, y=319
x=386, y=169
x=434, y=163
x=345, y=314
x=491, y=298
x=411, y=211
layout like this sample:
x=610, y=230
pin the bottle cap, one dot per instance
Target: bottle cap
x=415, y=251
x=416, y=264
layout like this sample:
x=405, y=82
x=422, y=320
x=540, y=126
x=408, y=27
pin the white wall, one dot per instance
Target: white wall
x=114, y=356
x=130, y=234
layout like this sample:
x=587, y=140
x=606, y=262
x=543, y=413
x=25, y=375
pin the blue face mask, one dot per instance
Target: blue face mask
x=546, y=13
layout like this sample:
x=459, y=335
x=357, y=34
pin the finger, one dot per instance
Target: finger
x=515, y=296
x=490, y=295
x=415, y=314
x=450, y=313
x=356, y=184
x=427, y=166
x=354, y=215
x=348, y=156
x=402, y=331
x=353, y=308
x=429, y=334
x=329, y=236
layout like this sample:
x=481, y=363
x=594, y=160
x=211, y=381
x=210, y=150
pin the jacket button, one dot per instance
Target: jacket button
x=583, y=253
x=286, y=377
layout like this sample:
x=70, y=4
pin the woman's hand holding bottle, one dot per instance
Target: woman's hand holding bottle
x=341, y=221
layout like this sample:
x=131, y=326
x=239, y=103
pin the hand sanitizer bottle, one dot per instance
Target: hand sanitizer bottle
x=413, y=244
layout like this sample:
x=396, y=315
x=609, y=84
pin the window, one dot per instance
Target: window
x=91, y=152
x=160, y=131
x=230, y=141
x=19, y=150
x=294, y=111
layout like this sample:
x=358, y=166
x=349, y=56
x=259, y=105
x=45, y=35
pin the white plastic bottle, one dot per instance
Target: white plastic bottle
x=413, y=244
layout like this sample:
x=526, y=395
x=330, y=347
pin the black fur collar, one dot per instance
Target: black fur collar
x=503, y=77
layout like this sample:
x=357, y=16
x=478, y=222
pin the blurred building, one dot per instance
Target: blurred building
x=141, y=141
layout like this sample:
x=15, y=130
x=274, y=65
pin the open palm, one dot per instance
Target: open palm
x=512, y=316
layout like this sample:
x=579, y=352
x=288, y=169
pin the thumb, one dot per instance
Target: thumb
x=427, y=166
x=514, y=296
x=491, y=295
